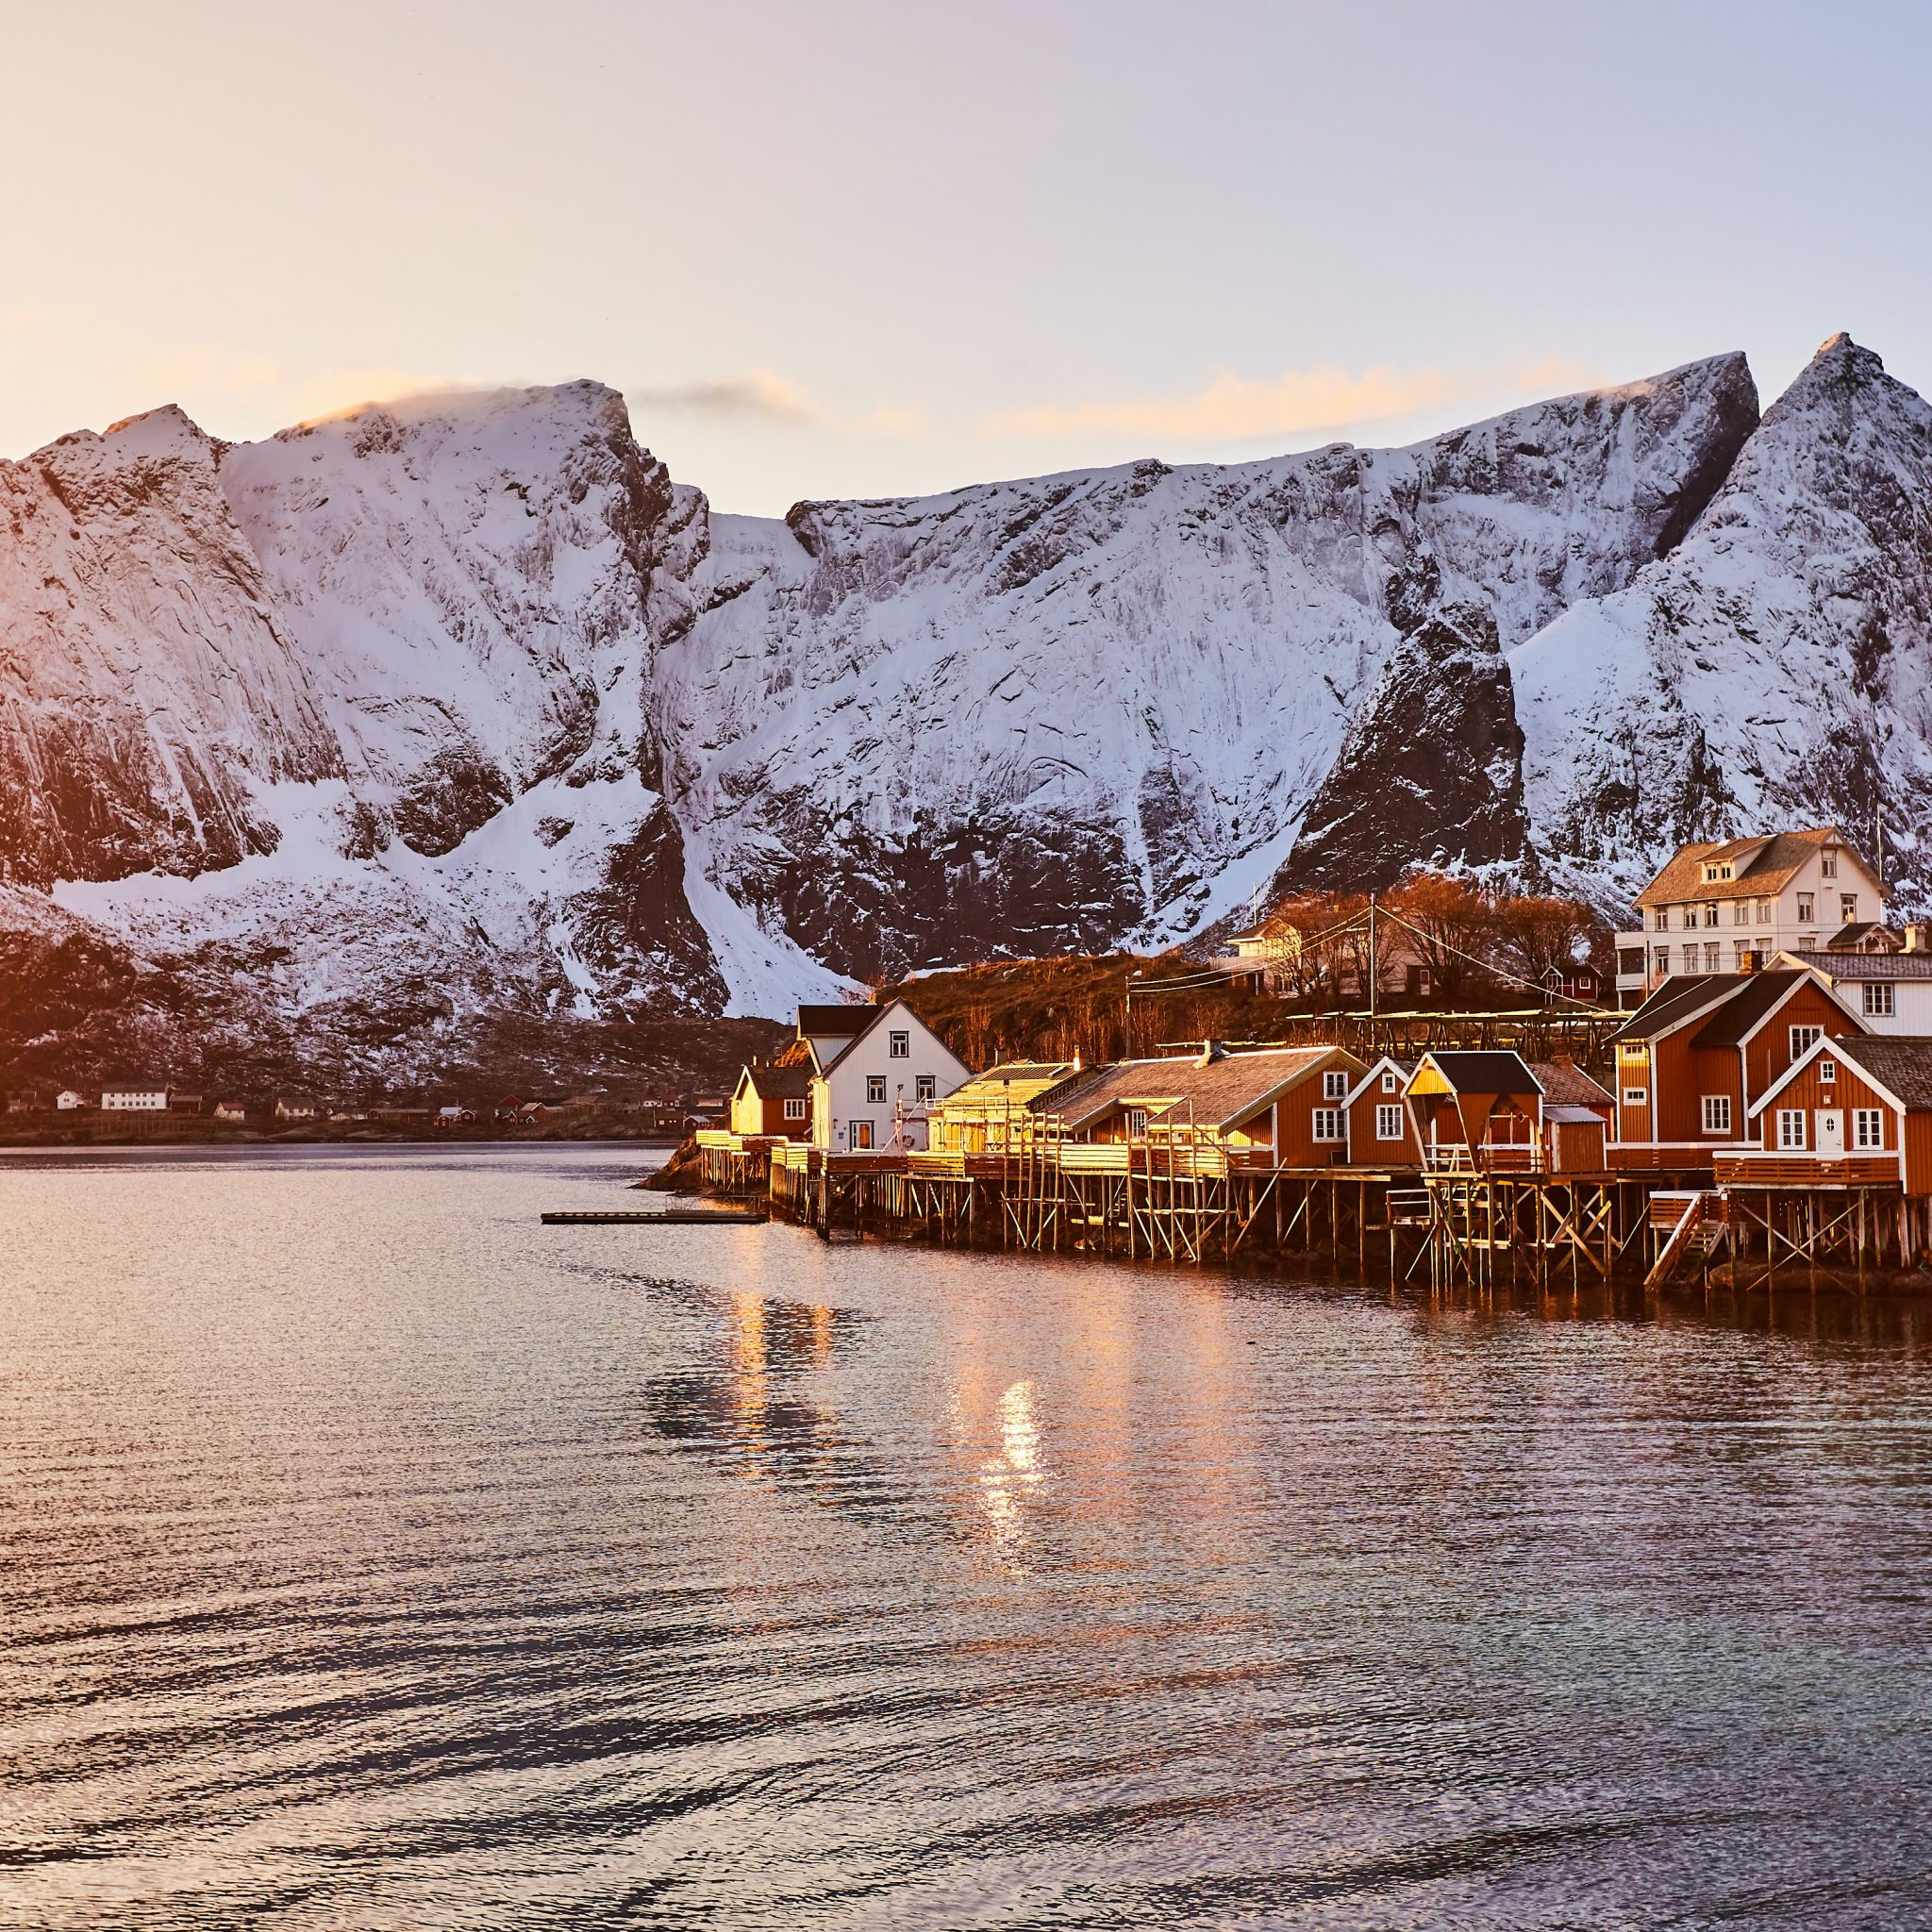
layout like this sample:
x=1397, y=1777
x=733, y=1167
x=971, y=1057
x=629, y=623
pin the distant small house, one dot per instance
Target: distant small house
x=508, y=1108
x=230, y=1111
x=294, y=1107
x=68, y=1100
x=878, y=1072
x=1572, y=982
x=1493, y=1109
x=133, y=1096
x=22, y=1102
x=775, y=1097
x=183, y=1103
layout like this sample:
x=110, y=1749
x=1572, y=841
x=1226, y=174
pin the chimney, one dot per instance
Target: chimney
x=1918, y=937
x=1211, y=1050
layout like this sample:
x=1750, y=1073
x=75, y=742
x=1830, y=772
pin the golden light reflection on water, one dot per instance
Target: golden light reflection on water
x=1015, y=1469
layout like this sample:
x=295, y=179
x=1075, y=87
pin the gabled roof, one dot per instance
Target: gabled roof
x=1403, y=1069
x=1732, y=1005
x=1014, y=1082
x=1567, y=1084
x=1862, y=966
x=789, y=1081
x=1222, y=1092
x=1859, y=933
x=1899, y=1065
x=872, y=1016
x=1763, y=866
x=1484, y=1070
x=1757, y=997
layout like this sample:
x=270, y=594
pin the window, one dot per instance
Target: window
x=1790, y=1128
x=1328, y=1123
x=1847, y=908
x=1137, y=1122
x=1711, y=912
x=1334, y=1085
x=1764, y=912
x=1422, y=982
x=1636, y=1096
x=1740, y=955
x=858, y=1134
x=1663, y=961
x=1714, y=953
x=795, y=1109
x=899, y=1045
x=1878, y=999
x=1868, y=1127
x=1717, y=1113
x=1741, y=912
x=1389, y=1083
x=1803, y=1038
x=1828, y=865
x=875, y=1089
x=1660, y=919
x=1827, y=1073
x=1388, y=1123
x=1713, y=872
x=925, y=1086
x=1806, y=915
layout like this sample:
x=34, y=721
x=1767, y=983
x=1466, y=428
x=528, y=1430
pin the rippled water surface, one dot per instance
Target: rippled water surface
x=371, y=1556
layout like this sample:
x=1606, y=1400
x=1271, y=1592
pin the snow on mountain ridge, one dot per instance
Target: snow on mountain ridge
x=1067, y=710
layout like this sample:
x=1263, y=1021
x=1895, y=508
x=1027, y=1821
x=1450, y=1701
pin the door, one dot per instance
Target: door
x=857, y=1135
x=1831, y=1132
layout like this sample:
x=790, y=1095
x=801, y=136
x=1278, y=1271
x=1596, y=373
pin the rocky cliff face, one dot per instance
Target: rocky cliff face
x=461, y=712
x=1776, y=667
x=1060, y=712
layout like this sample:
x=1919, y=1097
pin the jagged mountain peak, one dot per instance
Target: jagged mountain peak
x=1777, y=666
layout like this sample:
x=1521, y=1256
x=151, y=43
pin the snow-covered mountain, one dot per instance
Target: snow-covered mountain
x=464, y=707
x=1774, y=669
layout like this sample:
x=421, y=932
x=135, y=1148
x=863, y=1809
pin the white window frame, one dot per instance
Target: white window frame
x=1637, y=1096
x=875, y=1089
x=795, y=1109
x=1713, y=955
x=1827, y=1073
x=1790, y=1131
x=1389, y=1083
x=1661, y=920
x=1804, y=1039
x=1136, y=1124
x=1880, y=999
x=1807, y=908
x=858, y=1137
x=1717, y=1113
x=1328, y=1127
x=1848, y=907
x=1388, y=1123
x=1828, y=865
x=1334, y=1085
x=1868, y=1129
x=898, y=1044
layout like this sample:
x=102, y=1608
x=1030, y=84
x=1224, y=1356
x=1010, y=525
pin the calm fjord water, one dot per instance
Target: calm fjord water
x=372, y=1557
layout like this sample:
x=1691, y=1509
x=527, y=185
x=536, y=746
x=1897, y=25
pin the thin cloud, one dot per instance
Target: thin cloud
x=269, y=391
x=756, y=396
x=1297, y=402
x=761, y=395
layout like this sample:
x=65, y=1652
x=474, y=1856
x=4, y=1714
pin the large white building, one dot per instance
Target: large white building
x=1723, y=906
x=877, y=1071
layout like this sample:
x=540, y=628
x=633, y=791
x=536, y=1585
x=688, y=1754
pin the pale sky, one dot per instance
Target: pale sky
x=841, y=249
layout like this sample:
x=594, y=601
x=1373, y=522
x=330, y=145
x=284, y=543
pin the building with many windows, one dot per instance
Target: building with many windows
x=1725, y=907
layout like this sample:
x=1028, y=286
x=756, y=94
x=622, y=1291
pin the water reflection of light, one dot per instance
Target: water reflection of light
x=750, y=1373
x=1005, y=1478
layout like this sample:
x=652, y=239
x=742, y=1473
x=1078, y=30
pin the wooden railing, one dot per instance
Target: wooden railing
x=1787, y=1168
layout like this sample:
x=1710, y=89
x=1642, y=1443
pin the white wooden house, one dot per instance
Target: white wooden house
x=875, y=1078
x=134, y=1096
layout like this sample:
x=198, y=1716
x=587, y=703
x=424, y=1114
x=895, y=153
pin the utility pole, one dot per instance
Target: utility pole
x=1374, y=976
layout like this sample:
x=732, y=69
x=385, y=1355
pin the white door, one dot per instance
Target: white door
x=1831, y=1131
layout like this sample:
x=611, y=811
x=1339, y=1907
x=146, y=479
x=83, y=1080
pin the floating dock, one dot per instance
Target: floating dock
x=627, y=1217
